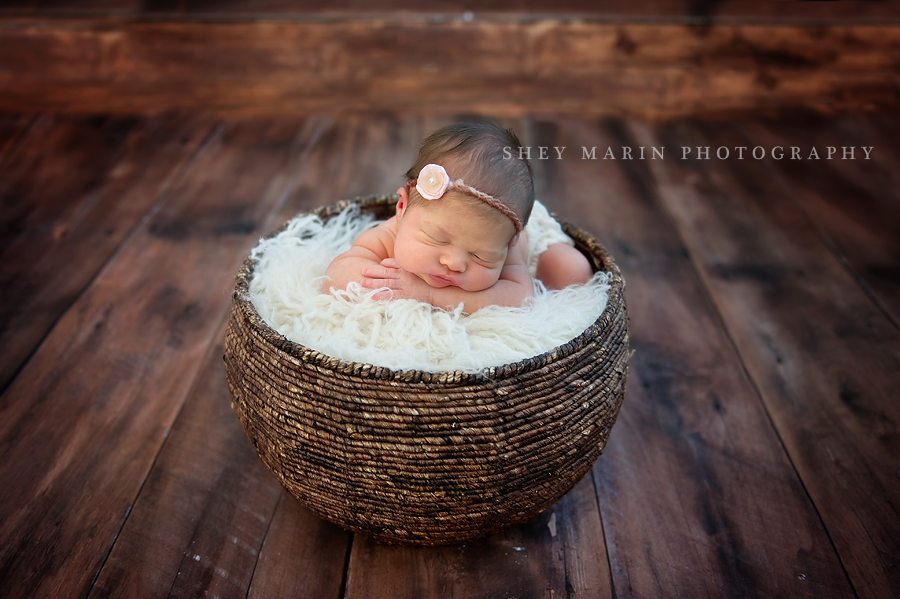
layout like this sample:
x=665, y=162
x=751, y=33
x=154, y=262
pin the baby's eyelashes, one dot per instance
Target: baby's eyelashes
x=434, y=240
x=487, y=259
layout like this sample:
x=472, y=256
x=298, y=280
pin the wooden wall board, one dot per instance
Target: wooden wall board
x=83, y=422
x=73, y=188
x=697, y=495
x=494, y=67
x=822, y=355
x=661, y=10
x=853, y=202
x=559, y=554
x=89, y=6
x=19, y=6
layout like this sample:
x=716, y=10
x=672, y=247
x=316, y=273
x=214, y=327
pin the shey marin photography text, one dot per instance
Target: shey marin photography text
x=691, y=153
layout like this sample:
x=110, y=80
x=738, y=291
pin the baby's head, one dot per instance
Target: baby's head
x=467, y=197
x=486, y=158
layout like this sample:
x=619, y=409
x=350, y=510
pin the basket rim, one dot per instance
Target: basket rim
x=588, y=242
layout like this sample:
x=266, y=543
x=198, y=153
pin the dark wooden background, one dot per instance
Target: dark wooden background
x=651, y=59
x=145, y=148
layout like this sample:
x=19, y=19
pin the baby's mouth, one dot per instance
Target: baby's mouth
x=440, y=281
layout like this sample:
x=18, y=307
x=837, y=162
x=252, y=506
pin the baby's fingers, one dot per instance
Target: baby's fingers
x=371, y=283
x=380, y=272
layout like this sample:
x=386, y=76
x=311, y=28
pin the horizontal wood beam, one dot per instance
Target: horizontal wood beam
x=504, y=67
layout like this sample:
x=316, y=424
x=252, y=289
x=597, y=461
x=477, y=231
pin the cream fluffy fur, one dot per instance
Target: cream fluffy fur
x=407, y=334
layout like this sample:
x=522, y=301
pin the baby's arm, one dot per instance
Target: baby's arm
x=512, y=288
x=369, y=249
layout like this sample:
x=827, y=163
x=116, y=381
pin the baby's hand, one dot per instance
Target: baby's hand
x=385, y=275
x=402, y=284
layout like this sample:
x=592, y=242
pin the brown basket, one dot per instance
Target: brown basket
x=425, y=458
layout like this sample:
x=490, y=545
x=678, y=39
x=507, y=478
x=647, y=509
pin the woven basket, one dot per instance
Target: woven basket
x=422, y=458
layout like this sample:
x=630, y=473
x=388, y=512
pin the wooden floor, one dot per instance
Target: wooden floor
x=756, y=454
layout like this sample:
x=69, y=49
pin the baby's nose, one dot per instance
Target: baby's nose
x=453, y=261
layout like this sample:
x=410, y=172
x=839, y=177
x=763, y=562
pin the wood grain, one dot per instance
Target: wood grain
x=303, y=555
x=559, y=554
x=449, y=65
x=204, y=510
x=822, y=355
x=697, y=495
x=353, y=156
x=852, y=203
x=662, y=10
x=73, y=189
x=201, y=520
x=12, y=128
x=755, y=454
x=83, y=422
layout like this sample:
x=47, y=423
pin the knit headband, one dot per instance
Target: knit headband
x=433, y=182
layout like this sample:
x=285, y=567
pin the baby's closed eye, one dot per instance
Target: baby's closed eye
x=486, y=258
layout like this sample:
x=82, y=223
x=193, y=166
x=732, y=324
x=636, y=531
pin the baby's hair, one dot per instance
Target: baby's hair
x=485, y=156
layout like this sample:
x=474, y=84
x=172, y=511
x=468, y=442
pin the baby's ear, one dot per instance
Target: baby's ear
x=402, y=200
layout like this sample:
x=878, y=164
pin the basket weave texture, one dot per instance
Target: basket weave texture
x=413, y=457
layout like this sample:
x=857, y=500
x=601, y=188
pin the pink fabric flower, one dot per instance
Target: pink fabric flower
x=432, y=182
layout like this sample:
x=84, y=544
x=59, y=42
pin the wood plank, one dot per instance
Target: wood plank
x=661, y=10
x=84, y=421
x=822, y=355
x=853, y=202
x=577, y=566
x=559, y=554
x=186, y=508
x=12, y=128
x=669, y=10
x=880, y=130
x=887, y=123
x=73, y=188
x=356, y=155
x=506, y=66
x=696, y=493
x=303, y=555
x=208, y=488
x=18, y=5
x=202, y=513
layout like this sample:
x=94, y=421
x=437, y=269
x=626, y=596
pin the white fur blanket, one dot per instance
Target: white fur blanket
x=407, y=334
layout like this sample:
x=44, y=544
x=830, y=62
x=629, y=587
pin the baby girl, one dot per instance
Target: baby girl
x=458, y=233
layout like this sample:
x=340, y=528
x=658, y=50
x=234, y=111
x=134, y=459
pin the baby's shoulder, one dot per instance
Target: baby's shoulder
x=380, y=239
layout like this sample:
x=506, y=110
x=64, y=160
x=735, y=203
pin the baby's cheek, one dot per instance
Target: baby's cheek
x=485, y=279
x=403, y=259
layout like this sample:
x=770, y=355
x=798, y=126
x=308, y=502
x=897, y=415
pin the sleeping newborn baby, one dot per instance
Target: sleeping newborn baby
x=458, y=233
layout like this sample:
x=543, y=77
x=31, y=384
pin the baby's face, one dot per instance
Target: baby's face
x=445, y=243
